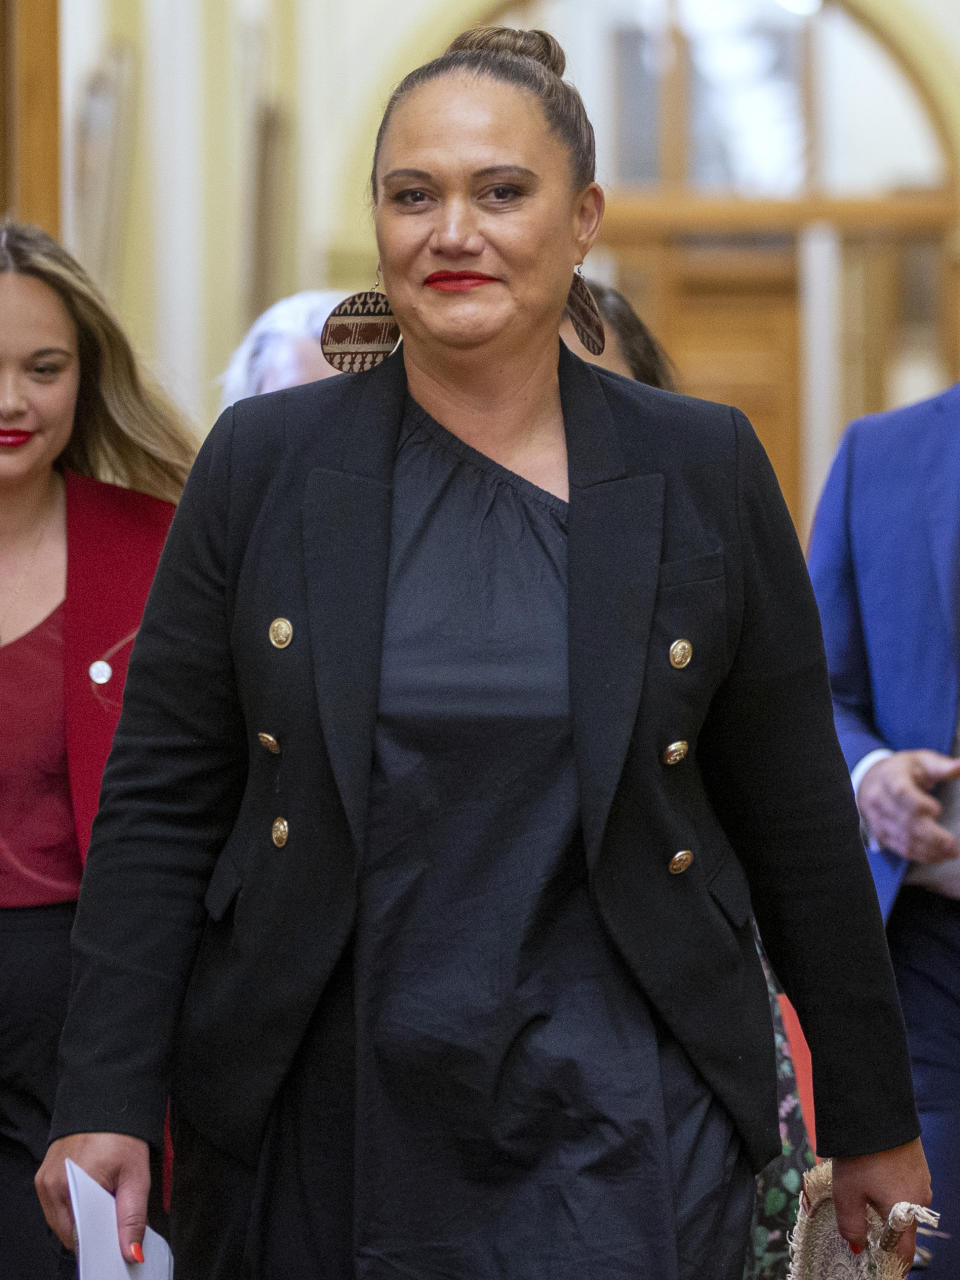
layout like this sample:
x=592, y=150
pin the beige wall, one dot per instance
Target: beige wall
x=181, y=275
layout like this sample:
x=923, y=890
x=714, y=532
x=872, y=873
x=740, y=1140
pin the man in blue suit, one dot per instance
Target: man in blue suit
x=885, y=564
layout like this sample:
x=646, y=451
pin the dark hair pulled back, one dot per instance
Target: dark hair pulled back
x=531, y=60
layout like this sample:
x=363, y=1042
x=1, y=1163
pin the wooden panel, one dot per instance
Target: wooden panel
x=6, y=78
x=31, y=111
x=632, y=216
x=742, y=350
x=730, y=325
x=872, y=306
x=674, y=112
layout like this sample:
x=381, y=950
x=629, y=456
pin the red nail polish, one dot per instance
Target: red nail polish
x=137, y=1253
x=856, y=1248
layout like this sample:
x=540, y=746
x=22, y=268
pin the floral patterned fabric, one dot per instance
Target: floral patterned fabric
x=778, y=1185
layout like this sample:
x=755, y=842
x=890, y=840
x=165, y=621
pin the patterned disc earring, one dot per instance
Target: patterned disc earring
x=361, y=332
x=584, y=315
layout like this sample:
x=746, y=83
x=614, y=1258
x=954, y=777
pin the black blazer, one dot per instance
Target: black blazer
x=208, y=927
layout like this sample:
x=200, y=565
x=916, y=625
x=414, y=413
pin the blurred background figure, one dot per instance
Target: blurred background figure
x=92, y=459
x=282, y=347
x=885, y=567
x=632, y=350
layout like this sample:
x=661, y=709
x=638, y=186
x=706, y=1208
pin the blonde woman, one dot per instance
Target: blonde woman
x=92, y=460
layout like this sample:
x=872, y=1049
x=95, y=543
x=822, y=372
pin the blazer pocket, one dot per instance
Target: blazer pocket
x=223, y=888
x=674, y=573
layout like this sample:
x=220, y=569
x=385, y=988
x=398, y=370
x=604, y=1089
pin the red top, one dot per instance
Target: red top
x=39, y=857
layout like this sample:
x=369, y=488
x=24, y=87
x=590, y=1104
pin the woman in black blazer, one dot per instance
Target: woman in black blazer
x=478, y=705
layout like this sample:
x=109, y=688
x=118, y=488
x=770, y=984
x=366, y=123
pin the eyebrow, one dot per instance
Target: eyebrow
x=492, y=171
x=50, y=351
x=506, y=171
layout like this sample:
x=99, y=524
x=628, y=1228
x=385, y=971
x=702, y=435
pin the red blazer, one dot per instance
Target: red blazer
x=114, y=539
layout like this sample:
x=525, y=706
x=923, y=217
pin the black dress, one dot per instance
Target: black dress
x=510, y=1108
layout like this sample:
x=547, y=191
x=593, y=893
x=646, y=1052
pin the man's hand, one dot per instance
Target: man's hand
x=882, y=1180
x=115, y=1160
x=894, y=798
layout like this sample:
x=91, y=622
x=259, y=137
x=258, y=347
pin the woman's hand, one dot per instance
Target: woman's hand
x=882, y=1180
x=115, y=1160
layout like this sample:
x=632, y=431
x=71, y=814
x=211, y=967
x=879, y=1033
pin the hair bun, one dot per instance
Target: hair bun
x=535, y=44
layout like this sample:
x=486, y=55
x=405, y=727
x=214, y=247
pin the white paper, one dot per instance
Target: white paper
x=98, y=1249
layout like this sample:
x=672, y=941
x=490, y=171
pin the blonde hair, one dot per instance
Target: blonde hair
x=532, y=60
x=125, y=430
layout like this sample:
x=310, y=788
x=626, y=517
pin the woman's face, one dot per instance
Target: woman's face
x=39, y=377
x=478, y=224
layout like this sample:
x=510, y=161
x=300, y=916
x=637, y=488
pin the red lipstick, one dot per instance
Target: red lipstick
x=11, y=439
x=457, y=281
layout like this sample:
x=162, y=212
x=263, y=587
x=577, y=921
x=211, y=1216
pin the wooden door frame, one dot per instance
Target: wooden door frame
x=636, y=219
x=30, y=112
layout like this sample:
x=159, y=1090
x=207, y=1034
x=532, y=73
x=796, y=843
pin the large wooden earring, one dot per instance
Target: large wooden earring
x=584, y=315
x=361, y=332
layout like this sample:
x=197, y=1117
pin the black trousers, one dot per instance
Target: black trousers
x=34, y=985
x=924, y=936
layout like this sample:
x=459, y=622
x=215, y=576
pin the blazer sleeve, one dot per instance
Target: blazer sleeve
x=779, y=784
x=170, y=794
x=833, y=574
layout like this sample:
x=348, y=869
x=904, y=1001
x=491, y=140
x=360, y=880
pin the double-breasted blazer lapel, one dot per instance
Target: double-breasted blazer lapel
x=615, y=525
x=614, y=535
x=346, y=549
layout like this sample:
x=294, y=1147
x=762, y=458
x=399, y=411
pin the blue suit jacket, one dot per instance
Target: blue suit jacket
x=884, y=560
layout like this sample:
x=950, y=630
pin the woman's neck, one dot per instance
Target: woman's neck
x=33, y=553
x=27, y=504
x=507, y=407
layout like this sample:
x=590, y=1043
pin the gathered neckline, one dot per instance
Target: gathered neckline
x=482, y=461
